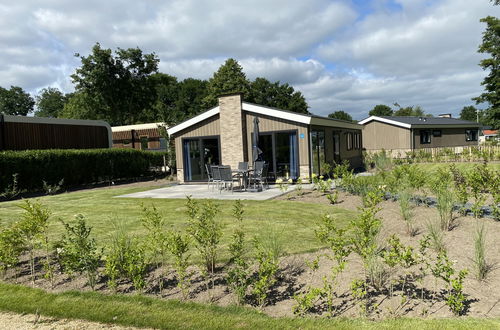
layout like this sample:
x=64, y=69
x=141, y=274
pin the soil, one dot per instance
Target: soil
x=404, y=293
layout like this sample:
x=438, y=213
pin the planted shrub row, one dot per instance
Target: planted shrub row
x=76, y=167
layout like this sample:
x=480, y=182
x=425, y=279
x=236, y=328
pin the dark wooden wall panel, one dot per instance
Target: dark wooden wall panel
x=23, y=136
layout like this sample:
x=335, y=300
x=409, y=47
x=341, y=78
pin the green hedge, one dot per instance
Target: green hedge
x=76, y=167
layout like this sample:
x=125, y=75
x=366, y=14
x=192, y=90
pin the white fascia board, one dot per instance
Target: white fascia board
x=384, y=120
x=276, y=113
x=136, y=127
x=193, y=121
x=334, y=123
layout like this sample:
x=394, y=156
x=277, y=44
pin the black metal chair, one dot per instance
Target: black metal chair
x=259, y=175
x=227, y=177
x=216, y=178
x=210, y=175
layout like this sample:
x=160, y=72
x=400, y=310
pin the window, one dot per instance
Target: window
x=425, y=137
x=349, y=140
x=436, y=133
x=126, y=142
x=144, y=142
x=318, y=150
x=163, y=143
x=357, y=141
x=470, y=135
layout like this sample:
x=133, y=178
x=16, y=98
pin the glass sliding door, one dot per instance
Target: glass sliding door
x=280, y=152
x=197, y=153
x=317, y=151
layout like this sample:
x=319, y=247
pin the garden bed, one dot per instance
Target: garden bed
x=423, y=297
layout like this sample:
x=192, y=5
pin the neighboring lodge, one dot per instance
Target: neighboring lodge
x=141, y=137
x=22, y=133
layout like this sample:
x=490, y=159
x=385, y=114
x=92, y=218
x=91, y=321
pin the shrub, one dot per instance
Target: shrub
x=75, y=167
x=11, y=247
x=333, y=198
x=445, y=204
x=125, y=258
x=205, y=230
x=482, y=267
x=267, y=266
x=33, y=230
x=435, y=235
x=178, y=245
x=79, y=252
x=238, y=276
x=406, y=207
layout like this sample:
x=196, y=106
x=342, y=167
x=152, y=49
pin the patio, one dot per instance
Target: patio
x=200, y=191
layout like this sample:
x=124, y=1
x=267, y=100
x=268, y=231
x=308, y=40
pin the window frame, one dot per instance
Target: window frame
x=473, y=135
x=428, y=134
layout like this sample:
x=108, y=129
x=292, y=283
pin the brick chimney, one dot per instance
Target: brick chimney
x=231, y=129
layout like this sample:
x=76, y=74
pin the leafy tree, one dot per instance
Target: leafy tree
x=277, y=95
x=164, y=108
x=229, y=78
x=491, y=83
x=413, y=111
x=118, y=85
x=50, y=102
x=190, y=95
x=342, y=115
x=470, y=113
x=15, y=101
x=381, y=110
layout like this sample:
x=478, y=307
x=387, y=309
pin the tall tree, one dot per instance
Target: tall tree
x=470, y=113
x=190, y=95
x=381, y=110
x=15, y=101
x=282, y=96
x=491, y=83
x=50, y=102
x=164, y=108
x=342, y=115
x=118, y=84
x=229, y=78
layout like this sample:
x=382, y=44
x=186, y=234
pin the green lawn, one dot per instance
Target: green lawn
x=140, y=311
x=294, y=222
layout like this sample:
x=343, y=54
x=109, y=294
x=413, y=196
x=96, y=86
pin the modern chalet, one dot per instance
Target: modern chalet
x=292, y=144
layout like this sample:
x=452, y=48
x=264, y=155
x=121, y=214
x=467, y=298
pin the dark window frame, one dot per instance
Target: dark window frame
x=428, y=134
x=141, y=141
x=349, y=141
x=471, y=135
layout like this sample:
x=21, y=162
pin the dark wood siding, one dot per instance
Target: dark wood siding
x=23, y=136
x=133, y=137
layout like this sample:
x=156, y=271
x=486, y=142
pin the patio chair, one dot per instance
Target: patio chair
x=259, y=175
x=227, y=177
x=210, y=175
x=241, y=173
x=216, y=178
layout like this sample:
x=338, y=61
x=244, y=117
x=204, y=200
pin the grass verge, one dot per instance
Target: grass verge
x=140, y=311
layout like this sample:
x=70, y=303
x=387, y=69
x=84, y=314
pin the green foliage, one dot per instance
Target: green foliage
x=443, y=268
x=470, y=113
x=238, y=275
x=15, y=101
x=333, y=198
x=359, y=290
x=125, y=259
x=267, y=267
x=342, y=115
x=11, y=246
x=366, y=227
x=229, y=78
x=33, y=230
x=11, y=190
x=477, y=181
x=491, y=45
x=155, y=244
x=50, y=102
x=75, y=167
x=406, y=208
x=78, y=251
x=205, y=230
x=119, y=83
x=482, y=267
x=435, y=234
x=381, y=110
x=445, y=204
x=178, y=245
x=277, y=95
x=52, y=189
x=305, y=302
x=414, y=111
x=460, y=183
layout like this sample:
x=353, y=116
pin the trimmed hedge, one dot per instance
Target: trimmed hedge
x=76, y=167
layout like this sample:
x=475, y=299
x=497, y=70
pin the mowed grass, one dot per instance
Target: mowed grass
x=141, y=311
x=291, y=222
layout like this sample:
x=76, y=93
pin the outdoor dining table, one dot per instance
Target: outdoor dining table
x=244, y=176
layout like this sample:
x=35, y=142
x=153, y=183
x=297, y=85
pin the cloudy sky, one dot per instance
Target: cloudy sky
x=341, y=54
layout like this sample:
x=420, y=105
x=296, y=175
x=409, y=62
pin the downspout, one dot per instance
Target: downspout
x=133, y=138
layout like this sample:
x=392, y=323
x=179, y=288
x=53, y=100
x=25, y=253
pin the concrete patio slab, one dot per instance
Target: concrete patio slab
x=202, y=192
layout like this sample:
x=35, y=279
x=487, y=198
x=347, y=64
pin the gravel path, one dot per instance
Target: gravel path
x=31, y=321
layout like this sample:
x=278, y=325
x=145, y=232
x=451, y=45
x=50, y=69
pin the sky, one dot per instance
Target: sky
x=341, y=54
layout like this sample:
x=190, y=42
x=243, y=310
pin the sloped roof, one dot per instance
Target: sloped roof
x=271, y=112
x=409, y=122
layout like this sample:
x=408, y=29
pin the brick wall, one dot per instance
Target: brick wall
x=231, y=130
